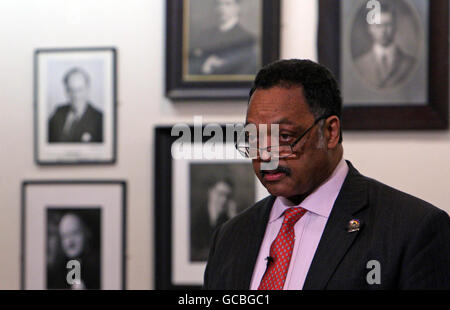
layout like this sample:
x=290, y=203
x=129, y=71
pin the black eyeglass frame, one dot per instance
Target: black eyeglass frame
x=246, y=153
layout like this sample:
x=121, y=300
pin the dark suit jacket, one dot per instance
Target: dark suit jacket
x=88, y=129
x=202, y=231
x=90, y=272
x=402, y=66
x=237, y=47
x=409, y=237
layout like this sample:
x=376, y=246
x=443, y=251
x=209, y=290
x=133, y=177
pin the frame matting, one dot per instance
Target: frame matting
x=56, y=197
x=94, y=140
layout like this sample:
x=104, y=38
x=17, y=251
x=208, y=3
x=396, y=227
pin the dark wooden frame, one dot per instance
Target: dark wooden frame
x=433, y=115
x=178, y=89
x=163, y=208
x=123, y=184
x=35, y=105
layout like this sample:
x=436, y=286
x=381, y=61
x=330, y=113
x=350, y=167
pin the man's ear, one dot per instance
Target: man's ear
x=332, y=130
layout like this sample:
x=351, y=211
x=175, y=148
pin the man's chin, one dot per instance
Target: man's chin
x=278, y=189
x=386, y=43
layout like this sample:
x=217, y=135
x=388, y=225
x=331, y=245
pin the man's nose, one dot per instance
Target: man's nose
x=264, y=155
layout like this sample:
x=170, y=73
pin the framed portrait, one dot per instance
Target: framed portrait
x=75, y=106
x=215, y=48
x=73, y=235
x=193, y=196
x=392, y=61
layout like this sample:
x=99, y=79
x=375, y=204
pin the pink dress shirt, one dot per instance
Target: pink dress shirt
x=308, y=229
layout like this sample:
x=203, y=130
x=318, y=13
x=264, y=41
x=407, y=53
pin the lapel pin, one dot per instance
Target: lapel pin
x=353, y=225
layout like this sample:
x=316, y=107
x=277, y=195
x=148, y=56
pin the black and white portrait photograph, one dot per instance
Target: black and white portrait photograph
x=76, y=119
x=73, y=234
x=390, y=59
x=385, y=58
x=223, y=38
x=214, y=48
x=218, y=192
x=391, y=54
x=193, y=197
x=75, y=105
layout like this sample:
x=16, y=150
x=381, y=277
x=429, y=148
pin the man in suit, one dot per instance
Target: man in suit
x=385, y=65
x=227, y=48
x=76, y=244
x=324, y=226
x=77, y=121
x=218, y=209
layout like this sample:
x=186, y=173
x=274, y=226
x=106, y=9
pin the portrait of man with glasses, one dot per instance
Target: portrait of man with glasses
x=324, y=222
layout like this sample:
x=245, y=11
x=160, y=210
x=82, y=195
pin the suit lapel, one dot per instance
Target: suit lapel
x=336, y=240
x=255, y=237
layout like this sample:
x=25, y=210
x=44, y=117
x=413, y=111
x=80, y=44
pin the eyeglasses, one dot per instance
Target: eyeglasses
x=276, y=151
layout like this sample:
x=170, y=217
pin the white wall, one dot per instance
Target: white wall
x=416, y=162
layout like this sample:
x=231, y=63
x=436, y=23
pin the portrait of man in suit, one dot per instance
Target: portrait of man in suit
x=324, y=224
x=73, y=235
x=225, y=48
x=216, y=197
x=386, y=64
x=78, y=120
x=220, y=207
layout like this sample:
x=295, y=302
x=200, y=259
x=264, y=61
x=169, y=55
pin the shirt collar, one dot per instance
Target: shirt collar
x=78, y=113
x=388, y=51
x=229, y=24
x=320, y=201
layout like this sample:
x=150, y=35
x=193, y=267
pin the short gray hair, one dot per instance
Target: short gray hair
x=75, y=71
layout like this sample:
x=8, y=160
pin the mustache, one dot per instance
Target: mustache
x=280, y=169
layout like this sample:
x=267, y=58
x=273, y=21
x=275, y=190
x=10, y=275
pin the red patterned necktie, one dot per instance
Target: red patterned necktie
x=281, y=252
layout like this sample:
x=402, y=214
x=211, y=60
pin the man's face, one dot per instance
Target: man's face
x=77, y=89
x=72, y=235
x=227, y=10
x=384, y=33
x=219, y=195
x=288, y=108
